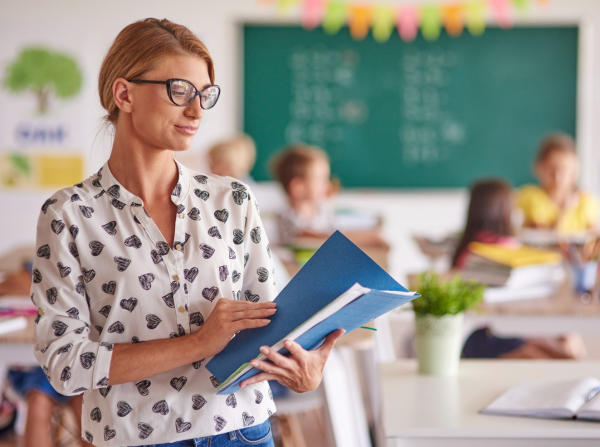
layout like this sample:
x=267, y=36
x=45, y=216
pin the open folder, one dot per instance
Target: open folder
x=340, y=287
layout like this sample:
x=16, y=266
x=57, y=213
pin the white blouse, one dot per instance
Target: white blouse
x=104, y=274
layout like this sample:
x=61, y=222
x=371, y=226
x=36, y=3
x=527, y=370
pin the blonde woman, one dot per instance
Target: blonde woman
x=146, y=269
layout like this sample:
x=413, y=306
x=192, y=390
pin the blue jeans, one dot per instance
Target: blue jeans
x=258, y=436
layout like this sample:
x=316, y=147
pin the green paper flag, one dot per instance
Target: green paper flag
x=476, y=15
x=521, y=5
x=431, y=22
x=383, y=23
x=335, y=17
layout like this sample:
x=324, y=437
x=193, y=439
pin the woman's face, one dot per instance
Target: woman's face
x=156, y=121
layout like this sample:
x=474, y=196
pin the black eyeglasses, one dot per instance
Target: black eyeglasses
x=182, y=92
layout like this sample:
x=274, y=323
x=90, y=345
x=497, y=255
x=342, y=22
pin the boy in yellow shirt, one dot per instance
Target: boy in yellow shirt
x=557, y=204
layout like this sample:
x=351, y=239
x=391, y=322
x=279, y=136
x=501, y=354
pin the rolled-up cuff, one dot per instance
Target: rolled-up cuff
x=102, y=365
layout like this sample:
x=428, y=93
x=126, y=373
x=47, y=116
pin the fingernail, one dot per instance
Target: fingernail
x=287, y=343
x=264, y=350
x=254, y=363
x=242, y=385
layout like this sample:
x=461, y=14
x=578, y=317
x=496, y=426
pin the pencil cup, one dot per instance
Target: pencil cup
x=438, y=344
x=584, y=276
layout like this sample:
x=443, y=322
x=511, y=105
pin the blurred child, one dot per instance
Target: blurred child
x=557, y=204
x=304, y=173
x=234, y=158
x=488, y=218
x=32, y=385
x=489, y=221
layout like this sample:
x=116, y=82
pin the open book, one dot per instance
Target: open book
x=572, y=399
x=340, y=287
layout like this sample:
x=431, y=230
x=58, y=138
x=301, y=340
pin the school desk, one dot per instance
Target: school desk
x=424, y=411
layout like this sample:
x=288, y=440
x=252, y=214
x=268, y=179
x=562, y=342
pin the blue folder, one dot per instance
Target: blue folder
x=331, y=271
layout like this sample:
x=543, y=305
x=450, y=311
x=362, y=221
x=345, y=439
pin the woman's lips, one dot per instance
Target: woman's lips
x=188, y=130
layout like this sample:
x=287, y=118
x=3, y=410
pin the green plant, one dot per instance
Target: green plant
x=43, y=72
x=451, y=297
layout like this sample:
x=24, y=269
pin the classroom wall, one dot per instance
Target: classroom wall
x=90, y=28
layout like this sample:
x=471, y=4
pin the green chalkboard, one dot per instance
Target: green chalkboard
x=410, y=115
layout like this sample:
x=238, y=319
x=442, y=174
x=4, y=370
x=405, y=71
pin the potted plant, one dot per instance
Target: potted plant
x=439, y=317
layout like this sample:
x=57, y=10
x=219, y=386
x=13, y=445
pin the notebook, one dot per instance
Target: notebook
x=339, y=287
x=570, y=399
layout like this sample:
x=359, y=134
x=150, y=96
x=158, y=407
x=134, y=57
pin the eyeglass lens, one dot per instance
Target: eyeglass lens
x=183, y=93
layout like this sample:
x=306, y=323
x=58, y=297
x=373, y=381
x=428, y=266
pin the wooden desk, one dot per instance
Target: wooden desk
x=422, y=411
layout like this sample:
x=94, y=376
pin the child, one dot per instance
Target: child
x=489, y=221
x=304, y=172
x=31, y=384
x=557, y=204
x=234, y=158
x=488, y=218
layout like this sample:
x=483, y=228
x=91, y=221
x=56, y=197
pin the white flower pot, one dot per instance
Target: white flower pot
x=438, y=344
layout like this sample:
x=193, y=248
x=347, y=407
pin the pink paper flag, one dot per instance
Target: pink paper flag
x=408, y=23
x=312, y=13
x=502, y=13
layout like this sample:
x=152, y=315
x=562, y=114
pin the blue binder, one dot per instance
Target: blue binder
x=331, y=271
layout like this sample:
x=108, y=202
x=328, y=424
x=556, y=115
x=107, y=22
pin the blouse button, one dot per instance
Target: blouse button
x=41, y=312
x=181, y=215
x=175, y=277
x=181, y=309
x=178, y=246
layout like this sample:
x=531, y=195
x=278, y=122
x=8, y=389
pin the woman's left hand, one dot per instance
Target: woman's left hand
x=301, y=371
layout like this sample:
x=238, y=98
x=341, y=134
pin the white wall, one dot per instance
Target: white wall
x=93, y=25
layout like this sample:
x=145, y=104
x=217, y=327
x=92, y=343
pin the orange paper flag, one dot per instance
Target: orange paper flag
x=360, y=21
x=453, y=19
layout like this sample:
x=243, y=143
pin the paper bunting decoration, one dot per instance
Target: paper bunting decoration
x=384, y=19
x=408, y=23
x=359, y=21
x=312, y=13
x=335, y=17
x=381, y=18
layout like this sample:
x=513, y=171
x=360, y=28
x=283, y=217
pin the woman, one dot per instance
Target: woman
x=146, y=269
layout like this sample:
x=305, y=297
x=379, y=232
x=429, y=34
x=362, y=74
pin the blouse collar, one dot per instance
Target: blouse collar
x=121, y=197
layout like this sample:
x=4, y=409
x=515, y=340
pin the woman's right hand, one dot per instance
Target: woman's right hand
x=229, y=317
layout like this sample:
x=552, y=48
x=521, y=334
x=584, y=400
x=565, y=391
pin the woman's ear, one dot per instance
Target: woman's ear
x=122, y=95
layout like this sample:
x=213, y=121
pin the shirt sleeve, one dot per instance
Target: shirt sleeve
x=72, y=362
x=591, y=211
x=259, y=274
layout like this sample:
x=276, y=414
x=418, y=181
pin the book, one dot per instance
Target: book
x=12, y=324
x=503, y=294
x=500, y=266
x=570, y=399
x=339, y=287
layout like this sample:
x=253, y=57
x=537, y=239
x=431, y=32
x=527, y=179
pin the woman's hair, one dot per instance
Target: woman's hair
x=490, y=209
x=140, y=48
x=295, y=161
x=556, y=142
x=238, y=153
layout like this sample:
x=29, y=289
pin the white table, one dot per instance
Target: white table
x=422, y=411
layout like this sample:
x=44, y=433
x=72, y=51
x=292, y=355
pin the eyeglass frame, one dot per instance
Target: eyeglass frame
x=168, y=83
